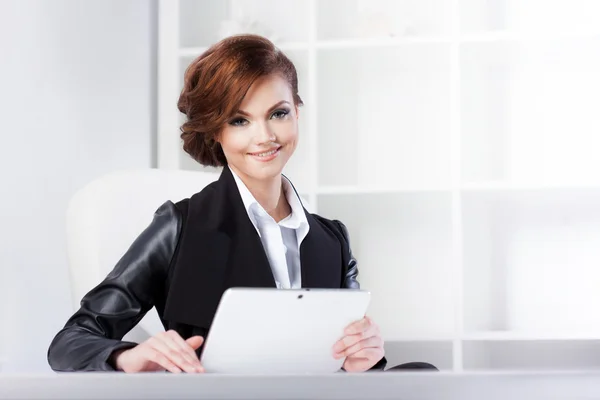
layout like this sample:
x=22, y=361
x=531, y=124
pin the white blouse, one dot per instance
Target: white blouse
x=282, y=240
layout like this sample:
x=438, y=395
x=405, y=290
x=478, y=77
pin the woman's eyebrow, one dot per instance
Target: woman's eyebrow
x=282, y=102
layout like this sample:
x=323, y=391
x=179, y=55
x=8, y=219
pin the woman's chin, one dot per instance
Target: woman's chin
x=265, y=172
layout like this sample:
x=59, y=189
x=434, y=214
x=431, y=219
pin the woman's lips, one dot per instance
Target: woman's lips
x=267, y=155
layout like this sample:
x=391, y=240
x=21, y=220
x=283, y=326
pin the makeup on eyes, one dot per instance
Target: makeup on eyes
x=241, y=121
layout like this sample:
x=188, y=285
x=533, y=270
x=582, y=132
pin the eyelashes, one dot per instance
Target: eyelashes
x=277, y=114
x=281, y=113
x=238, y=122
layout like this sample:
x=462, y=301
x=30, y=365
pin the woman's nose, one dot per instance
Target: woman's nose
x=265, y=134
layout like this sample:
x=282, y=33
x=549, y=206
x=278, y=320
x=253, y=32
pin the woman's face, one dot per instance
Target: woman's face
x=259, y=140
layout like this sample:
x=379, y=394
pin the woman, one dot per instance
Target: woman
x=249, y=228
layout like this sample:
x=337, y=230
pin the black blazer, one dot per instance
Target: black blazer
x=191, y=252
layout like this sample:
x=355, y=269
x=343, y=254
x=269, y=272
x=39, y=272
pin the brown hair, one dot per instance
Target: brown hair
x=215, y=84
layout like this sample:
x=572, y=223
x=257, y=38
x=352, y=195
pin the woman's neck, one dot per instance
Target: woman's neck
x=269, y=194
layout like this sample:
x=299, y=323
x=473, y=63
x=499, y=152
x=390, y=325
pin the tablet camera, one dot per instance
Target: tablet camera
x=300, y=296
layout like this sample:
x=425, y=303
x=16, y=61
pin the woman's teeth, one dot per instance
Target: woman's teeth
x=266, y=153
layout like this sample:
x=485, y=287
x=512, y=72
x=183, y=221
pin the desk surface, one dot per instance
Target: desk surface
x=388, y=385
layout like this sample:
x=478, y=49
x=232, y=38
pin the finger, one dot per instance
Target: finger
x=345, y=342
x=358, y=326
x=175, y=356
x=169, y=339
x=371, y=342
x=351, y=340
x=158, y=358
x=177, y=343
x=195, y=342
x=369, y=353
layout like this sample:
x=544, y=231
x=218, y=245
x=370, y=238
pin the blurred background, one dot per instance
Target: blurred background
x=457, y=139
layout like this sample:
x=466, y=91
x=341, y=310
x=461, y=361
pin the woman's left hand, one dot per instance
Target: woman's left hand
x=362, y=346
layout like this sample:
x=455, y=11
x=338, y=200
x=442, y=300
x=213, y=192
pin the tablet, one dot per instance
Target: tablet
x=280, y=331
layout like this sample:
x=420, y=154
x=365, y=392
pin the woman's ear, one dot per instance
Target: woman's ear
x=297, y=111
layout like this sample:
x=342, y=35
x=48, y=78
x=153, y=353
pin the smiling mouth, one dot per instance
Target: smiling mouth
x=266, y=153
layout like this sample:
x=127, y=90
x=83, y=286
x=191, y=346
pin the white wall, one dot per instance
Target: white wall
x=76, y=101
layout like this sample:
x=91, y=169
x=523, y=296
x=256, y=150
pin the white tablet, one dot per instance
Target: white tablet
x=280, y=331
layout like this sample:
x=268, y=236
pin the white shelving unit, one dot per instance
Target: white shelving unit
x=458, y=140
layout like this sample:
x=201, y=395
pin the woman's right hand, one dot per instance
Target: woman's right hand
x=164, y=351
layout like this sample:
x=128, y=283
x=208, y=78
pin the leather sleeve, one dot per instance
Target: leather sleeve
x=120, y=301
x=350, y=264
x=350, y=276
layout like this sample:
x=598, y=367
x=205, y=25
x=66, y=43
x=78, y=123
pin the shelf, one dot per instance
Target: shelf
x=491, y=37
x=471, y=187
x=204, y=22
x=531, y=355
x=335, y=190
x=540, y=16
x=499, y=186
x=375, y=111
x=525, y=336
x=380, y=42
x=531, y=260
x=402, y=243
x=343, y=19
x=529, y=111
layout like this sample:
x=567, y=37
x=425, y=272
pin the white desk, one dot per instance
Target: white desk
x=421, y=386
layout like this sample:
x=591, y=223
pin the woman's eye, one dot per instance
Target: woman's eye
x=280, y=114
x=238, y=122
